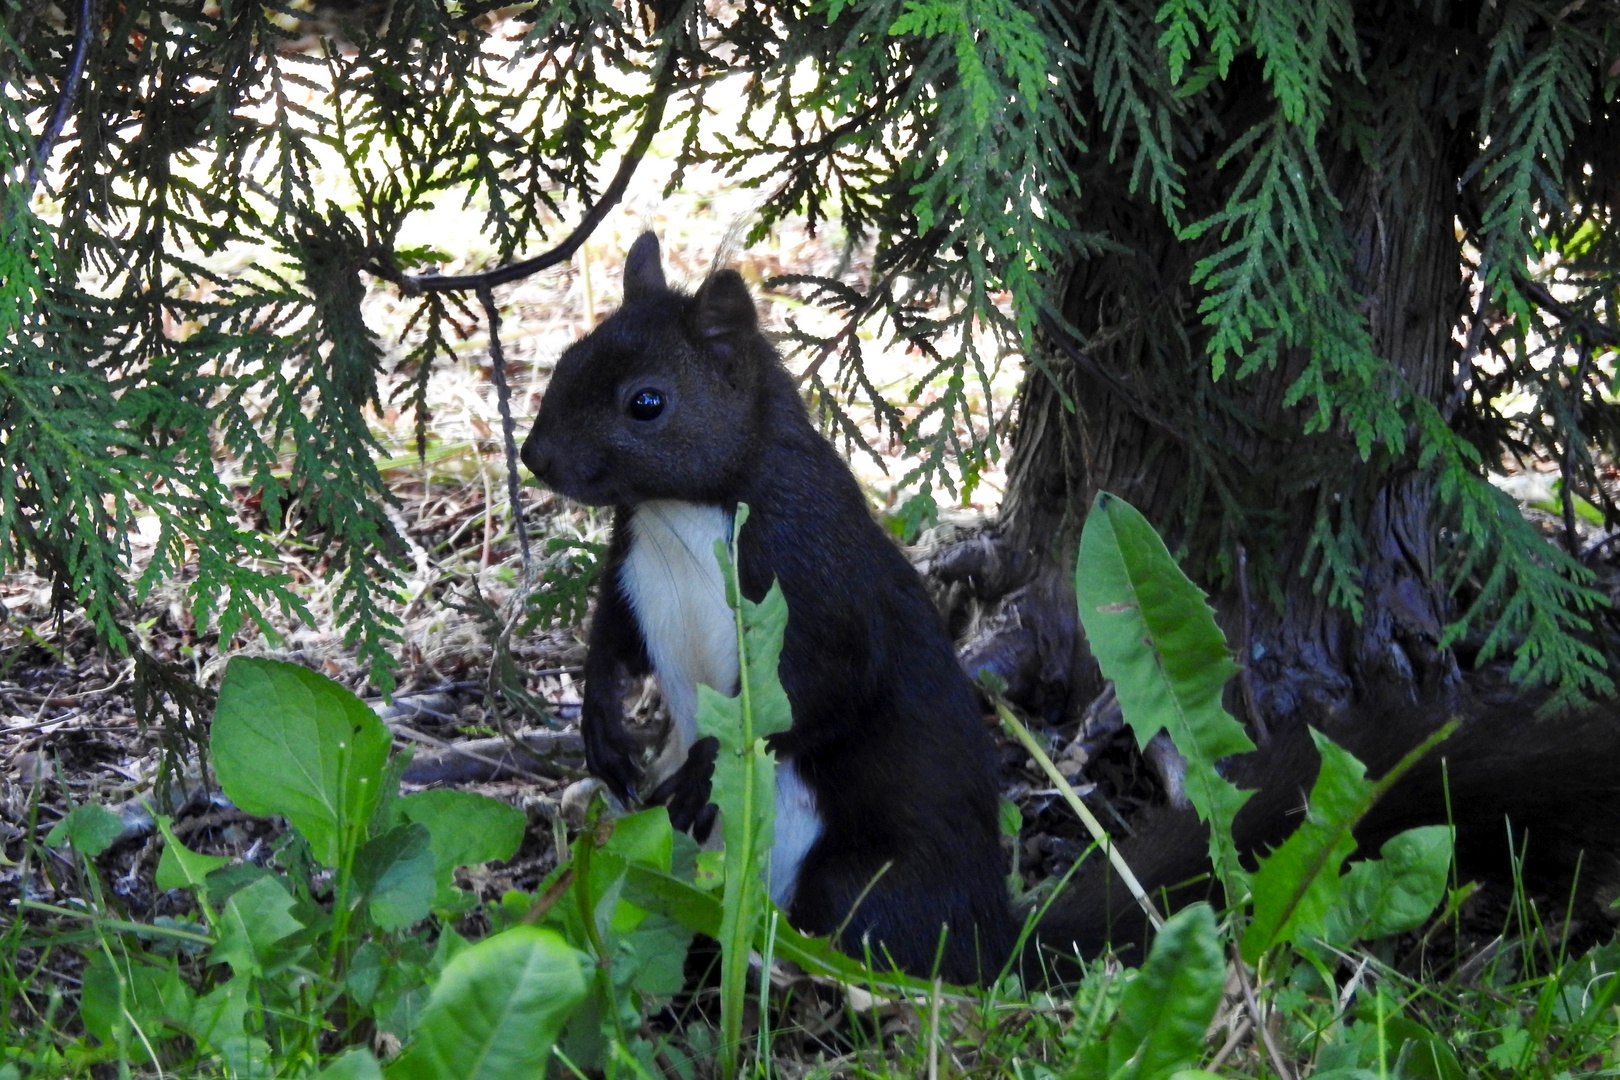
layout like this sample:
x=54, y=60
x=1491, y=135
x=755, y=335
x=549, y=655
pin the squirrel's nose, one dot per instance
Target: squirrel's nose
x=537, y=455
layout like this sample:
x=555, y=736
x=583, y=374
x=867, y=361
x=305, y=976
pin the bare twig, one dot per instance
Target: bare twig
x=1594, y=333
x=1599, y=544
x=1572, y=438
x=1251, y=703
x=496, y=755
x=1239, y=1030
x=69, y=95
x=503, y=395
x=1277, y=1060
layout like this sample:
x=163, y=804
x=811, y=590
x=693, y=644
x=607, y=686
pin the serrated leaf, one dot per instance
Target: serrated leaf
x=468, y=829
x=700, y=911
x=744, y=784
x=1154, y=635
x=1298, y=884
x=1295, y=885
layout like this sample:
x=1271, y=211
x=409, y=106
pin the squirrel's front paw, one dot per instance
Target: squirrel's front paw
x=610, y=754
x=686, y=792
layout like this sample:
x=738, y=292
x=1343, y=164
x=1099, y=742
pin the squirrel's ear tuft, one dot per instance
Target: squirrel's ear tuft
x=723, y=308
x=643, y=269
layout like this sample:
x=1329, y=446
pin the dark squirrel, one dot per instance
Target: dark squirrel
x=675, y=410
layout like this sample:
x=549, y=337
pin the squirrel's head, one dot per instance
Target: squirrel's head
x=661, y=400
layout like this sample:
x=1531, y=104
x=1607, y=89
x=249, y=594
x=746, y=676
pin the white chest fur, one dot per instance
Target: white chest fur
x=673, y=583
x=672, y=580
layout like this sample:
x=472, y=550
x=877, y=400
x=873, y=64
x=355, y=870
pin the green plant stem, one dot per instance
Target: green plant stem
x=352, y=835
x=741, y=881
x=143, y=929
x=1093, y=826
x=584, y=847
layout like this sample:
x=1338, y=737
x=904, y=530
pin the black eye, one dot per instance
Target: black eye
x=646, y=404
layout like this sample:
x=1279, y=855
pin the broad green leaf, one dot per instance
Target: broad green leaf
x=496, y=1010
x=88, y=829
x=1168, y=1006
x=154, y=996
x=647, y=951
x=217, y=1024
x=358, y=1064
x=644, y=839
x=365, y=973
x=245, y=1055
x=467, y=828
x=220, y=1013
x=395, y=873
x=288, y=741
x=227, y=881
x=400, y=1017
x=181, y=868
x=653, y=959
x=1395, y=892
x=1154, y=635
x=253, y=920
x=692, y=907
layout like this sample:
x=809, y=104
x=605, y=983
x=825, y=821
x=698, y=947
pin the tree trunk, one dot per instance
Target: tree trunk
x=1220, y=467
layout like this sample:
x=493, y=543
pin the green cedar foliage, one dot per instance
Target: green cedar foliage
x=986, y=149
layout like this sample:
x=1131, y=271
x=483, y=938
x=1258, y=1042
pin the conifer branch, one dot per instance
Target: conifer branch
x=1127, y=397
x=1594, y=333
x=857, y=315
x=652, y=121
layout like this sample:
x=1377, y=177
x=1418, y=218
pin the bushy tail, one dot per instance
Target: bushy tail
x=1548, y=790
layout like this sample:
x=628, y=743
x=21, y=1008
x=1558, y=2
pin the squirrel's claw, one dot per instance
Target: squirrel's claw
x=686, y=791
